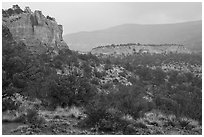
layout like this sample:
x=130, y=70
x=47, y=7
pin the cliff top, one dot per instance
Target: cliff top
x=16, y=10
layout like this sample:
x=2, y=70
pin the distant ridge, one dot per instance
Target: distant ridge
x=133, y=48
x=188, y=34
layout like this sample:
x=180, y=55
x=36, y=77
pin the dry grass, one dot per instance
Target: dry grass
x=59, y=112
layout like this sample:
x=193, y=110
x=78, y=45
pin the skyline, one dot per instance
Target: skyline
x=90, y=16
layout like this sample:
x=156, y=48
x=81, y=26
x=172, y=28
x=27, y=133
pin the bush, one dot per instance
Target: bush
x=95, y=81
x=140, y=124
x=50, y=18
x=129, y=99
x=107, y=66
x=158, y=76
x=104, y=120
x=99, y=74
x=87, y=70
x=70, y=90
x=183, y=122
x=96, y=110
x=11, y=11
x=75, y=112
x=8, y=104
x=107, y=111
x=144, y=72
x=31, y=116
x=107, y=86
x=101, y=115
x=167, y=105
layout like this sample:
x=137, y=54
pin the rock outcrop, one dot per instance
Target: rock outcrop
x=38, y=32
x=131, y=48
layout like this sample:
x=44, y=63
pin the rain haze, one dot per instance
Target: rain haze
x=101, y=68
x=89, y=16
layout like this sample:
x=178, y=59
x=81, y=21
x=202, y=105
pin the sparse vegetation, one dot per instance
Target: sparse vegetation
x=130, y=94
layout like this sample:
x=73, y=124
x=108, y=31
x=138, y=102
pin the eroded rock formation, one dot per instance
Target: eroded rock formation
x=38, y=32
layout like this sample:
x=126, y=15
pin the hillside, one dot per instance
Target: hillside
x=132, y=48
x=77, y=93
x=188, y=34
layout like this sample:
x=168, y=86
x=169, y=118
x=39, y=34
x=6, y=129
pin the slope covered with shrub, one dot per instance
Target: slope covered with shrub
x=137, y=94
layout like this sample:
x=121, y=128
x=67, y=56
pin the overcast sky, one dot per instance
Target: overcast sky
x=93, y=16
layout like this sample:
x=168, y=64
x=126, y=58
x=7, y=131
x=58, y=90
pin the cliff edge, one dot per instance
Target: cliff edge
x=38, y=32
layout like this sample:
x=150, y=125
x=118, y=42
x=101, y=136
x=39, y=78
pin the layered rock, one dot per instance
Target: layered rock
x=139, y=48
x=38, y=32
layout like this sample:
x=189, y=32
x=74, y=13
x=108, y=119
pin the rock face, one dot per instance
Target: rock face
x=38, y=32
x=132, y=48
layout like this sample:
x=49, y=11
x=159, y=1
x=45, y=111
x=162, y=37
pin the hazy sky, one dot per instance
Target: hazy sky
x=93, y=16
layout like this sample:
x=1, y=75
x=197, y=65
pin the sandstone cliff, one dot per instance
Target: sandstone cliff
x=38, y=32
x=132, y=48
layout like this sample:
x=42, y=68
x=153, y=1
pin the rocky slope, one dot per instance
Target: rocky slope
x=132, y=48
x=38, y=32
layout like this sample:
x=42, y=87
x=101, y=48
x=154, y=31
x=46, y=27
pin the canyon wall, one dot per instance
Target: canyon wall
x=38, y=32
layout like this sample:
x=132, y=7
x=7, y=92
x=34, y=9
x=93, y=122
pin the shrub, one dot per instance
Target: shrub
x=87, y=70
x=104, y=120
x=95, y=81
x=8, y=104
x=123, y=74
x=75, y=112
x=140, y=124
x=50, y=18
x=166, y=105
x=188, y=123
x=96, y=110
x=158, y=76
x=101, y=115
x=171, y=120
x=106, y=111
x=20, y=119
x=129, y=99
x=70, y=90
x=144, y=72
x=99, y=74
x=31, y=116
x=107, y=85
x=14, y=10
x=107, y=66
